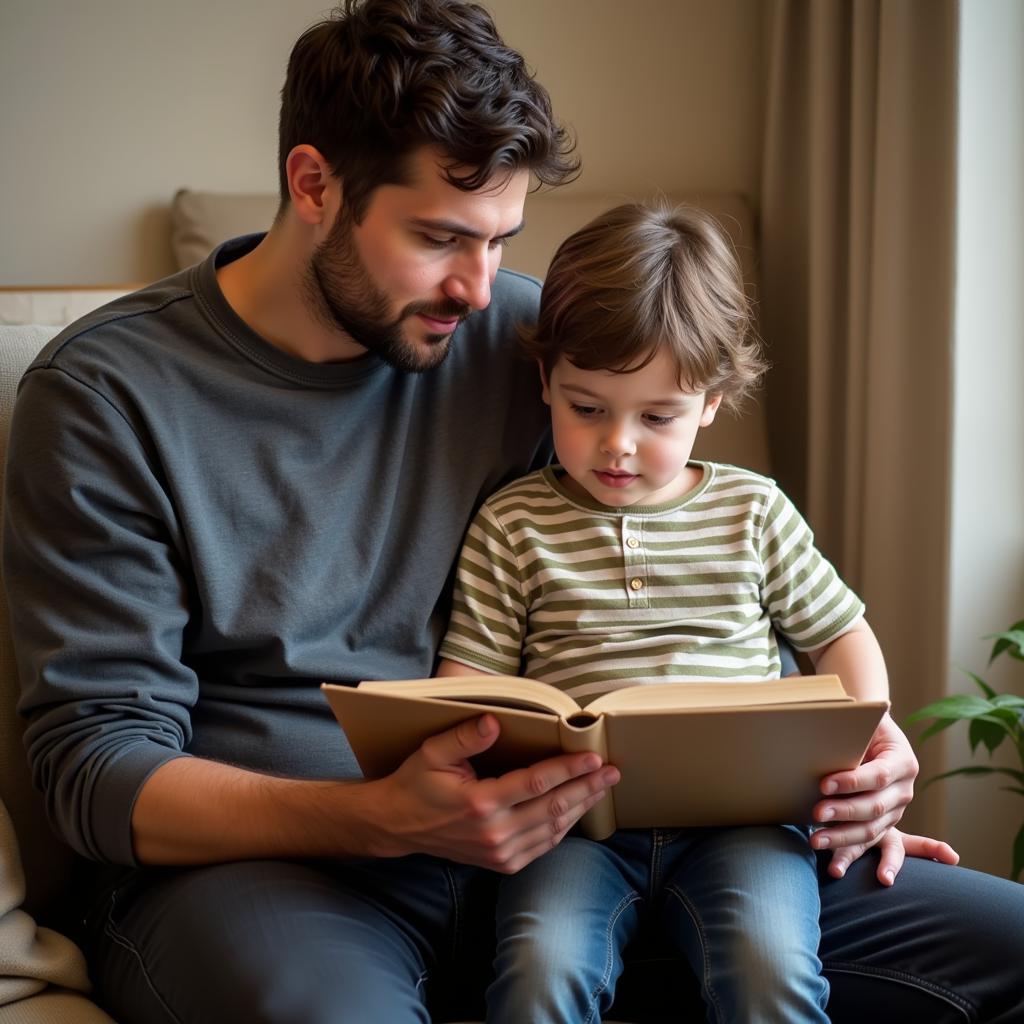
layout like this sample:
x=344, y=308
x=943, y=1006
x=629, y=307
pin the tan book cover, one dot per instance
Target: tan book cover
x=690, y=754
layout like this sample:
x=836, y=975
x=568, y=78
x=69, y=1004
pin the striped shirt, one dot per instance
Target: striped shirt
x=590, y=598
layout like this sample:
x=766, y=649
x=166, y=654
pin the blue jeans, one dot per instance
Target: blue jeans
x=740, y=904
x=379, y=942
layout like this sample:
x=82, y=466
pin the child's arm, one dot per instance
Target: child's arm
x=856, y=658
x=447, y=667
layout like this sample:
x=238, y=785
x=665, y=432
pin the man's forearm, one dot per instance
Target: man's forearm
x=193, y=811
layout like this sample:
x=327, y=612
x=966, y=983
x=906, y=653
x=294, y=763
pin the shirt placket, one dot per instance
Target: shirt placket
x=636, y=572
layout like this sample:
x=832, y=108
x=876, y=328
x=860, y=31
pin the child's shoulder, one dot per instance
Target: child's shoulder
x=533, y=487
x=723, y=475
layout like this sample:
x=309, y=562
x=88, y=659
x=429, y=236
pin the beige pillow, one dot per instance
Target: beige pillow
x=200, y=221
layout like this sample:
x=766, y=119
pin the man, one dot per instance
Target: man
x=256, y=475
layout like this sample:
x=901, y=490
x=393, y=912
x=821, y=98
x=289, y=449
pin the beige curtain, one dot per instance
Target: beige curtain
x=858, y=216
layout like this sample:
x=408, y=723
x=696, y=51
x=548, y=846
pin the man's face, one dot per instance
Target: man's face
x=423, y=259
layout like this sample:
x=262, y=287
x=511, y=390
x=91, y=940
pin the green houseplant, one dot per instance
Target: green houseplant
x=994, y=718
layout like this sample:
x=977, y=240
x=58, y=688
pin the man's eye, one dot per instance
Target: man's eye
x=499, y=243
x=659, y=421
x=438, y=243
x=584, y=410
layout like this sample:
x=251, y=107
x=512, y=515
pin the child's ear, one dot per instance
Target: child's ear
x=711, y=404
x=545, y=387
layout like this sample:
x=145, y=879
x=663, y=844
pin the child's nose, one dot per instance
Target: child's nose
x=617, y=441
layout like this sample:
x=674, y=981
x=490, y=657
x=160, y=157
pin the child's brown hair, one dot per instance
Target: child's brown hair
x=638, y=277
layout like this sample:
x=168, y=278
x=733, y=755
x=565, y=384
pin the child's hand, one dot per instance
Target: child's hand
x=868, y=802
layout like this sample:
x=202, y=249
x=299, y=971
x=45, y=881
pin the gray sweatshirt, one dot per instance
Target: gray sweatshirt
x=200, y=529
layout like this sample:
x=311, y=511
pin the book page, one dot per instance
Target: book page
x=490, y=691
x=726, y=693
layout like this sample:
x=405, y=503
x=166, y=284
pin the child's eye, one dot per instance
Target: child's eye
x=586, y=411
x=658, y=421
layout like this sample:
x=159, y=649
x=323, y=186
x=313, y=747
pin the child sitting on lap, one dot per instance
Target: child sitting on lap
x=626, y=563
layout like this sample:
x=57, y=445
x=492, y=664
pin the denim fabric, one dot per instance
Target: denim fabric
x=283, y=942
x=741, y=904
x=277, y=943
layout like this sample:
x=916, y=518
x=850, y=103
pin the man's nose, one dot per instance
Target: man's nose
x=470, y=283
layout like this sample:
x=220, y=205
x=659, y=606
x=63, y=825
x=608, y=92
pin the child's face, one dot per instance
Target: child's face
x=626, y=438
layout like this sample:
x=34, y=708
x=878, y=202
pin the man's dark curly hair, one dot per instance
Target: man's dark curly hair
x=378, y=79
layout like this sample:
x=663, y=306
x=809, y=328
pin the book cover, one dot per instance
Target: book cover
x=690, y=754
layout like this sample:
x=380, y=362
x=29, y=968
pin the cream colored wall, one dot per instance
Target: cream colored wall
x=109, y=106
x=987, y=536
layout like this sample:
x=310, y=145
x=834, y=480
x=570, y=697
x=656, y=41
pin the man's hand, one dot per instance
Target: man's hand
x=434, y=803
x=871, y=800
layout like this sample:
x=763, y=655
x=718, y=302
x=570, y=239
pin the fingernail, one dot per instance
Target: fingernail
x=890, y=877
x=483, y=726
x=821, y=840
x=591, y=762
x=829, y=788
x=827, y=814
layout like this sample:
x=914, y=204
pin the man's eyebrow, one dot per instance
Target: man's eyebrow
x=453, y=227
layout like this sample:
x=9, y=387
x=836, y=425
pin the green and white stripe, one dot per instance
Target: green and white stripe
x=591, y=599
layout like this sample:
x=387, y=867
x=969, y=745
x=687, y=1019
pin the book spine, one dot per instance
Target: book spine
x=579, y=735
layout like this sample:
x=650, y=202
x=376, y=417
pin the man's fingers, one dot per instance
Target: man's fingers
x=892, y=856
x=466, y=740
x=933, y=849
x=526, y=784
x=863, y=832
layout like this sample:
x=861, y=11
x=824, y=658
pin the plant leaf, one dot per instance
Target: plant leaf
x=956, y=706
x=979, y=769
x=1007, y=700
x=938, y=726
x=1018, y=855
x=1011, y=641
x=980, y=683
x=984, y=731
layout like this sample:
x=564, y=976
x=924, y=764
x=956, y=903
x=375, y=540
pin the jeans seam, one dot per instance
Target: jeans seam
x=620, y=909
x=904, y=978
x=126, y=944
x=712, y=998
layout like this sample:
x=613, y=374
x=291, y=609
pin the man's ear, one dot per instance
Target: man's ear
x=545, y=386
x=711, y=404
x=315, y=192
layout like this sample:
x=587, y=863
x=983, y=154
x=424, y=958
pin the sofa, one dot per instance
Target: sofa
x=43, y=978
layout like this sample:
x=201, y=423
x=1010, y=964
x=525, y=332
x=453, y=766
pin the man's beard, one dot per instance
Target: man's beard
x=343, y=296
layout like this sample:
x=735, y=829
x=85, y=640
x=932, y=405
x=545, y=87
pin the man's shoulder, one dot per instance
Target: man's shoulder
x=130, y=316
x=515, y=293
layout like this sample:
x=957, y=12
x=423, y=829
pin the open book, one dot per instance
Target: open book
x=690, y=754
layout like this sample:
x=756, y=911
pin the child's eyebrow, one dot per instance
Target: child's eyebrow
x=673, y=402
x=453, y=227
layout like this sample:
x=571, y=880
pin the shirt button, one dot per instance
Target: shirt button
x=632, y=542
x=636, y=583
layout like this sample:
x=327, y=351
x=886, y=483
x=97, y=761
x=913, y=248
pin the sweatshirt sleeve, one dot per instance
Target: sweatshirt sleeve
x=97, y=588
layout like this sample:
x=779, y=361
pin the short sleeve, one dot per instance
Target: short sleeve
x=488, y=619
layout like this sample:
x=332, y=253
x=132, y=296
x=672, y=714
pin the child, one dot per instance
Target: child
x=627, y=562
